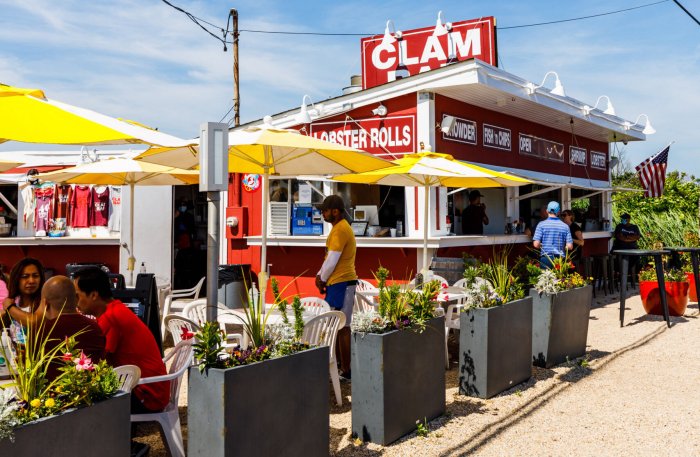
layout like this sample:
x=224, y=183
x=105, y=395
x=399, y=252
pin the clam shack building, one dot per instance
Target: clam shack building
x=425, y=89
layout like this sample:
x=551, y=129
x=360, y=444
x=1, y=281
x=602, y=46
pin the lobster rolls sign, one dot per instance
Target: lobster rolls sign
x=398, y=55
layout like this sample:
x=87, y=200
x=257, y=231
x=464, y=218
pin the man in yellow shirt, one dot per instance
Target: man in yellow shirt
x=337, y=277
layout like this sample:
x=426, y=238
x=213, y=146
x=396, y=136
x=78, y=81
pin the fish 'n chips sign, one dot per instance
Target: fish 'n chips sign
x=418, y=50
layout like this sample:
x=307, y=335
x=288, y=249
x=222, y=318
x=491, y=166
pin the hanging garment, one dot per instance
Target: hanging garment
x=115, y=208
x=80, y=206
x=29, y=205
x=42, y=215
x=61, y=207
x=99, y=216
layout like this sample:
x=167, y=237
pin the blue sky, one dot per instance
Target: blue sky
x=144, y=61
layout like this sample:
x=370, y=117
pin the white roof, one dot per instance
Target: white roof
x=489, y=87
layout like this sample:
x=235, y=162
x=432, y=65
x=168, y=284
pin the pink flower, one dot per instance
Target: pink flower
x=444, y=285
x=67, y=357
x=83, y=363
x=185, y=333
x=445, y=297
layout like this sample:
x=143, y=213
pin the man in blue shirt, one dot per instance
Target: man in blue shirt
x=552, y=236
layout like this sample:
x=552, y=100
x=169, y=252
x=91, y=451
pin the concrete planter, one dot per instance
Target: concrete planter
x=560, y=325
x=494, y=348
x=278, y=407
x=102, y=429
x=397, y=379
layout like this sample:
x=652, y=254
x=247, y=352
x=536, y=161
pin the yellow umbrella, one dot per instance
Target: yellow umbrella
x=432, y=169
x=269, y=151
x=119, y=172
x=26, y=115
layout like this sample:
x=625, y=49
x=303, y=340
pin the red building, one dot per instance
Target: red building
x=472, y=110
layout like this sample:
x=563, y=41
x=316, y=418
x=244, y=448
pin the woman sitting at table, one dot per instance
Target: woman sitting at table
x=24, y=299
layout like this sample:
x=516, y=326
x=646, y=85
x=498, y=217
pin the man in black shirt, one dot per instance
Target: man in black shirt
x=474, y=216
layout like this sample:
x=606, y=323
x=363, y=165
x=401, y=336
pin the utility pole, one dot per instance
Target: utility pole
x=236, y=92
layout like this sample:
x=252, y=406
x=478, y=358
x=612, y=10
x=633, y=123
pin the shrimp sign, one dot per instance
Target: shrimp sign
x=419, y=50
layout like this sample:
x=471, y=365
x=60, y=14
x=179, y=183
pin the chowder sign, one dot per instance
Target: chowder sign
x=394, y=56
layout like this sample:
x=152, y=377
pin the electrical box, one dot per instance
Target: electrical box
x=239, y=215
x=306, y=220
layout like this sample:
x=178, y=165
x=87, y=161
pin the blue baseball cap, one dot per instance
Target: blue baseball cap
x=553, y=207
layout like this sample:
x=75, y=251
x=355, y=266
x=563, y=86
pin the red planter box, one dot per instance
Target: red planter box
x=676, y=296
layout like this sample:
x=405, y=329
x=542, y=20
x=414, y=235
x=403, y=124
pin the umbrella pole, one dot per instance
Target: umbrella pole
x=131, y=262
x=262, y=276
x=426, y=204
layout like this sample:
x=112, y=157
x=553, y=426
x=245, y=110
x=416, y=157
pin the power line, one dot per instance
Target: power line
x=686, y=11
x=226, y=32
x=197, y=21
x=582, y=17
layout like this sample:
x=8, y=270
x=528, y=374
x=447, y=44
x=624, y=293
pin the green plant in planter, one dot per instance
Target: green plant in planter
x=672, y=275
x=266, y=341
x=562, y=276
x=398, y=308
x=492, y=284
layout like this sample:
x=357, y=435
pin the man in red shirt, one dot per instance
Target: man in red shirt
x=61, y=320
x=129, y=341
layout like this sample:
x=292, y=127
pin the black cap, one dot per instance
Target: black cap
x=332, y=202
x=474, y=195
x=625, y=216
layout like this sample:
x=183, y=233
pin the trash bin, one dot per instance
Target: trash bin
x=233, y=281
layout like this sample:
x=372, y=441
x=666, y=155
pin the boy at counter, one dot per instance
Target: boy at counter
x=129, y=341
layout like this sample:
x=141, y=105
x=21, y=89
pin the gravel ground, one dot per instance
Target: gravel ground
x=635, y=394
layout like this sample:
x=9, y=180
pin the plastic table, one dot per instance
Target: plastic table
x=625, y=254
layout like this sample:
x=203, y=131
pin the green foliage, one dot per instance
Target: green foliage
x=399, y=307
x=667, y=219
x=503, y=281
x=280, y=302
x=208, y=346
x=670, y=228
x=672, y=275
x=422, y=428
x=423, y=305
x=582, y=204
x=298, y=317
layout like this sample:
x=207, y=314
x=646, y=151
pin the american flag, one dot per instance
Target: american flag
x=652, y=173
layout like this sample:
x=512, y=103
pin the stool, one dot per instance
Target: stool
x=601, y=273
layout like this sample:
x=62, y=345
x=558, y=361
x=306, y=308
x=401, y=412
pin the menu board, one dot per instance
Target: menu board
x=539, y=147
x=577, y=156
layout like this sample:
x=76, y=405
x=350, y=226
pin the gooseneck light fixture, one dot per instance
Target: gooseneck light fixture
x=610, y=109
x=303, y=117
x=388, y=36
x=441, y=29
x=558, y=87
x=648, y=129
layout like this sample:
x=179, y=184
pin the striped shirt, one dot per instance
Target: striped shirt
x=554, y=235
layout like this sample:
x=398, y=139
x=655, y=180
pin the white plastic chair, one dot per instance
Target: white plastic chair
x=315, y=305
x=460, y=283
x=175, y=324
x=451, y=322
x=196, y=311
x=169, y=418
x=363, y=302
x=322, y=330
x=176, y=300
x=128, y=376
